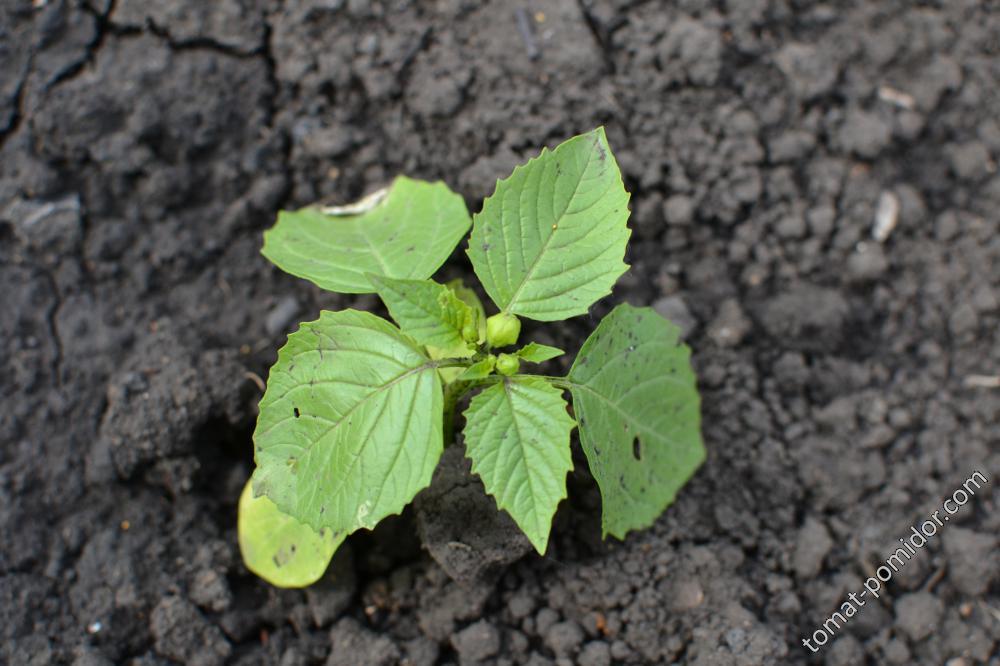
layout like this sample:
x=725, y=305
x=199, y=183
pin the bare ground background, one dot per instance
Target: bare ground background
x=145, y=146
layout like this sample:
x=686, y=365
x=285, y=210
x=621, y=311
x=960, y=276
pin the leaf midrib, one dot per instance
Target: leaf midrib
x=524, y=458
x=568, y=383
x=371, y=248
x=375, y=390
x=557, y=219
x=378, y=390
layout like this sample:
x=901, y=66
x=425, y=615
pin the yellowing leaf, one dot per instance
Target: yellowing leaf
x=278, y=548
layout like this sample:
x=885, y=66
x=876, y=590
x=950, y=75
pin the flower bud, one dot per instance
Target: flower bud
x=502, y=329
x=508, y=364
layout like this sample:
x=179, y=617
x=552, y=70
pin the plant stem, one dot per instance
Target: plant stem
x=453, y=363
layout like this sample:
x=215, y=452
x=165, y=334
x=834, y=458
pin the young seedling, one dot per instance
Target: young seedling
x=357, y=410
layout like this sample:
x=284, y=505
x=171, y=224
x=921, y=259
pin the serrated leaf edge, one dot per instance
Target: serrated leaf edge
x=260, y=487
x=502, y=505
x=568, y=311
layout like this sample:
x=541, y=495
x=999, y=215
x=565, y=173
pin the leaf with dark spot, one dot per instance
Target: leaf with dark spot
x=640, y=415
x=278, y=548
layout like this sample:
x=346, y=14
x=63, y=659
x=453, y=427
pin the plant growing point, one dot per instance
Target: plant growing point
x=357, y=409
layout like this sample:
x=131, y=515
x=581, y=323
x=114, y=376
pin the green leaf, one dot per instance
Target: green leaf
x=407, y=233
x=430, y=313
x=470, y=298
x=278, y=548
x=517, y=436
x=350, y=425
x=636, y=400
x=479, y=369
x=536, y=353
x=551, y=239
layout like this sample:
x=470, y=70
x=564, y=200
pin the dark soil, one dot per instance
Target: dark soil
x=848, y=381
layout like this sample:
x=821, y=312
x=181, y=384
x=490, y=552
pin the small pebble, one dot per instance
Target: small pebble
x=687, y=594
x=792, y=226
x=476, y=642
x=866, y=263
x=564, y=638
x=886, y=216
x=595, y=653
x=970, y=161
x=896, y=652
x=678, y=210
x=918, y=614
x=730, y=326
x=963, y=320
x=620, y=650
x=811, y=548
x=521, y=605
x=545, y=618
x=845, y=651
x=864, y=133
x=676, y=310
x=973, y=563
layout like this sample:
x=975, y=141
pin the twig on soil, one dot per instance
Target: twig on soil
x=896, y=97
x=524, y=27
x=982, y=381
x=255, y=378
x=934, y=579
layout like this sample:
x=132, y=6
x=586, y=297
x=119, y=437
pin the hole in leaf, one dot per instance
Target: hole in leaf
x=295, y=410
x=637, y=449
